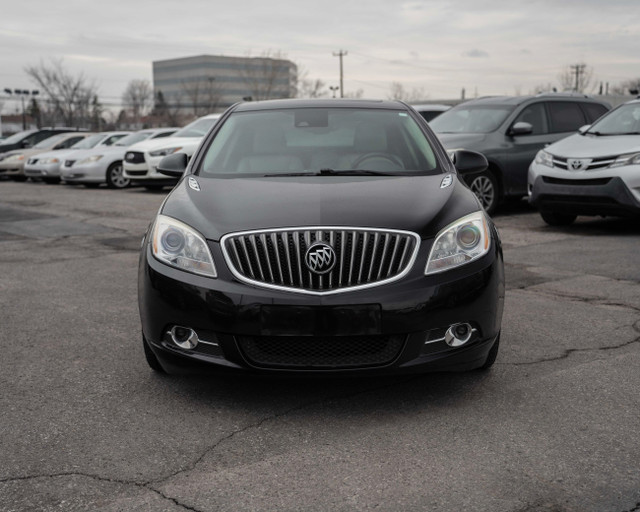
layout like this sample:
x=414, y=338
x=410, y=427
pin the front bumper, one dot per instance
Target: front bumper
x=39, y=170
x=585, y=195
x=84, y=173
x=412, y=313
x=146, y=173
x=12, y=169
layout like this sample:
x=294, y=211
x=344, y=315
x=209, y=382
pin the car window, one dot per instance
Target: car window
x=110, y=140
x=620, y=121
x=88, y=142
x=163, y=134
x=310, y=140
x=565, y=116
x=50, y=142
x=69, y=142
x=17, y=137
x=471, y=119
x=536, y=116
x=132, y=138
x=593, y=111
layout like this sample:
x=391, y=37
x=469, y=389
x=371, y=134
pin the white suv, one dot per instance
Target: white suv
x=141, y=160
x=595, y=172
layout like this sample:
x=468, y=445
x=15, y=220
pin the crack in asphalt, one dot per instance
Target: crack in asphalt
x=150, y=484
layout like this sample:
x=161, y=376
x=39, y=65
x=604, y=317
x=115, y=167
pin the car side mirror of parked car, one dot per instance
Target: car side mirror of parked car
x=173, y=165
x=469, y=162
x=521, y=128
x=583, y=129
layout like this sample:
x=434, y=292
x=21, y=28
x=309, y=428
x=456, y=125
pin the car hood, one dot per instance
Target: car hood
x=117, y=151
x=472, y=141
x=58, y=153
x=594, y=146
x=166, y=142
x=416, y=203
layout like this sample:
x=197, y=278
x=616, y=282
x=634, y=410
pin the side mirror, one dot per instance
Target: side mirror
x=583, y=129
x=173, y=165
x=469, y=162
x=521, y=128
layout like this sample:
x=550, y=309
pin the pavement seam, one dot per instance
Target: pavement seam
x=140, y=485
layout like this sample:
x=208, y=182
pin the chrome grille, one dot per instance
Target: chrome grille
x=593, y=165
x=276, y=258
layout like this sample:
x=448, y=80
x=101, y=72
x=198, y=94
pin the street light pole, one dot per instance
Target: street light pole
x=333, y=89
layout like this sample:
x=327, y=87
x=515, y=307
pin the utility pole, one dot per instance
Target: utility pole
x=578, y=69
x=341, y=54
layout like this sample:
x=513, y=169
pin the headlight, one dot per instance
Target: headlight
x=544, y=158
x=14, y=158
x=49, y=160
x=180, y=246
x=164, y=152
x=465, y=240
x=631, y=159
x=90, y=159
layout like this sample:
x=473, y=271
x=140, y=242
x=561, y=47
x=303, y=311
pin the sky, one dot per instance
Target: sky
x=436, y=47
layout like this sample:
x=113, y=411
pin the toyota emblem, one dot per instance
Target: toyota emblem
x=320, y=258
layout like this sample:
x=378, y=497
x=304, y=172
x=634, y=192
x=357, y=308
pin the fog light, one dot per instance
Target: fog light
x=458, y=334
x=184, y=337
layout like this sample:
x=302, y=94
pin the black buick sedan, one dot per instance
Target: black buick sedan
x=324, y=236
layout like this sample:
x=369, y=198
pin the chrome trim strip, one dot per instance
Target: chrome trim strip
x=212, y=343
x=295, y=231
x=428, y=342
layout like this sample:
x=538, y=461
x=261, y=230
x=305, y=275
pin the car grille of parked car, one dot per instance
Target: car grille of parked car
x=69, y=163
x=277, y=258
x=594, y=165
x=320, y=352
x=134, y=157
x=32, y=161
x=592, y=182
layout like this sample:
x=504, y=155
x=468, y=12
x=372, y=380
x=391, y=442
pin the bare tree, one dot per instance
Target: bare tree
x=203, y=95
x=263, y=74
x=308, y=87
x=398, y=92
x=138, y=98
x=69, y=95
x=576, y=77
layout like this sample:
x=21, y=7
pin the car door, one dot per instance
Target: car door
x=523, y=148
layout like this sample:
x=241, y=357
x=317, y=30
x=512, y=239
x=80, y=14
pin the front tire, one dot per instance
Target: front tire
x=485, y=187
x=115, y=176
x=557, y=219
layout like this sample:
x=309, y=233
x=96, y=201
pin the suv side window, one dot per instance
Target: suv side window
x=565, y=116
x=593, y=111
x=536, y=116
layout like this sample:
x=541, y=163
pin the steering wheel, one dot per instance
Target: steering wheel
x=381, y=158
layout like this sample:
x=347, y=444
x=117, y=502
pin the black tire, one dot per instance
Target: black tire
x=19, y=178
x=154, y=188
x=485, y=186
x=51, y=181
x=492, y=355
x=557, y=219
x=151, y=358
x=115, y=177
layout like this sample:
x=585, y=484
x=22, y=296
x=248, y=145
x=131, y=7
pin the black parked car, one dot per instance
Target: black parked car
x=30, y=138
x=321, y=236
x=509, y=131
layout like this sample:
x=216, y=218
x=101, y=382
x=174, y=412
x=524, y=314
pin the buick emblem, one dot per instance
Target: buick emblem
x=576, y=164
x=320, y=258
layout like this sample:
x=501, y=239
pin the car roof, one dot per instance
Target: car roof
x=517, y=100
x=318, y=103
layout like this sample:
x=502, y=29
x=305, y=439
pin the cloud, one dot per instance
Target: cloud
x=476, y=54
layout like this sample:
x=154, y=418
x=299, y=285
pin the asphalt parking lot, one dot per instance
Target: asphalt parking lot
x=86, y=425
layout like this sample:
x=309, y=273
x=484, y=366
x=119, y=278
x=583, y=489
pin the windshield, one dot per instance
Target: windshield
x=131, y=139
x=196, y=129
x=625, y=120
x=51, y=141
x=311, y=141
x=17, y=137
x=471, y=119
x=89, y=142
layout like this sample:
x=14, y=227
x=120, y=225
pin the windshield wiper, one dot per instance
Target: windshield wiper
x=331, y=172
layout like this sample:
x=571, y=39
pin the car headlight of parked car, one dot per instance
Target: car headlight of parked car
x=180, y=246
x=91, y=159
x=165, y=151
x=630, y=159
x=51, y=160
x=544, y=158
x=13, y=158
x=465, y=240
